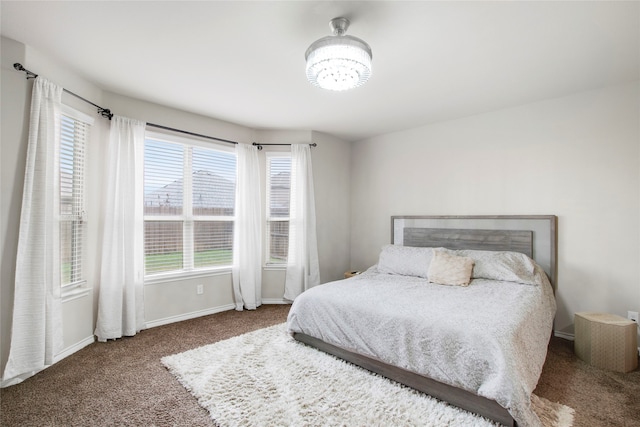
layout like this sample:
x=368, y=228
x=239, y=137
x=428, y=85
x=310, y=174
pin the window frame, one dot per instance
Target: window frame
x=77, y=287
x=188, y=219
x=268, y=260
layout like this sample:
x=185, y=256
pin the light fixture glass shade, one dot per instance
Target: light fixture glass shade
x=338, y=62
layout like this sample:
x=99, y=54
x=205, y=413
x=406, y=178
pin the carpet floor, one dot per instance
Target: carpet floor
x=123, y=382
x=266, y=378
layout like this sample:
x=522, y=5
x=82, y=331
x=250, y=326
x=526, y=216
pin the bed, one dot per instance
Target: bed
x=479, y=346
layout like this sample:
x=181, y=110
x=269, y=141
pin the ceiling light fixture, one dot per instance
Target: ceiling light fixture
x=338, y=62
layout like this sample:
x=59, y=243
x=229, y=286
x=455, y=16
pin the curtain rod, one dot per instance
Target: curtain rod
x=104, y=112
x=259, y=145
x=107, y=114
x=191, y=133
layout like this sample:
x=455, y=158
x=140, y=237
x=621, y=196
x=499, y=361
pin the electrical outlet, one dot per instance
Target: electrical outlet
x=632, y=315
x=199, y=289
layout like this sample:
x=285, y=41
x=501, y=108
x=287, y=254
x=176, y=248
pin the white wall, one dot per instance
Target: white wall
x=16, y=99
x=331, y=176
x=273, y=277
x=332, y=179
x=172, y=300
x=13, y=155
x=177, y=299
x=165, y=301
x=576, y=157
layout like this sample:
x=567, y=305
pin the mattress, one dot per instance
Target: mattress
x=489, y=338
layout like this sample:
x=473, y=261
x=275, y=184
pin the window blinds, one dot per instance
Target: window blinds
x=278, y=195
x=73, y=137
x=213, y=199
x=189, y=200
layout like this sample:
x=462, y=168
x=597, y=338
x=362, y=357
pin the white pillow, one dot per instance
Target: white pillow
x=405, y=260
x=502, y=266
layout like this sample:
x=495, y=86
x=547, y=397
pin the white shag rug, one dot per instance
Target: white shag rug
x=266, y=378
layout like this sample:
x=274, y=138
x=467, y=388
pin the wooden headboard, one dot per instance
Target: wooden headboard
x=534, y=235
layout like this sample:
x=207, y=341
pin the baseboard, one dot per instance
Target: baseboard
x=72, y=349
x=58, y=357
x=571, y=337
x=275, y=301
x=565, y=335
x=187, y=316
x=214, y=310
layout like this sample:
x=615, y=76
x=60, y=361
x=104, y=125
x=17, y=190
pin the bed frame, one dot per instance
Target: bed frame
x=534, y=235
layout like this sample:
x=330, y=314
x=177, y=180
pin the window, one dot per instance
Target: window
x=74, y=131
x=278, y=191
x=189, y=201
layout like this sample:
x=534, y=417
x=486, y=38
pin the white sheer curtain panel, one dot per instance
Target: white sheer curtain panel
x=247, y=233
x=36, y=332
x=303, y=271
x=121, y=297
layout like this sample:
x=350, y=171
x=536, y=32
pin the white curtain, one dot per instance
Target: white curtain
x=121, y=297
x=303, y=271
x=247, y=233
x=36, y=332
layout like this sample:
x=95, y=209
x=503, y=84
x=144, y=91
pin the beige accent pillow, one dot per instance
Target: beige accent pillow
x=447, y=269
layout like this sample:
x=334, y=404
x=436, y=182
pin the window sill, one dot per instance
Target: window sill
x=274, y=267
x=173, y=277
x=75, y=292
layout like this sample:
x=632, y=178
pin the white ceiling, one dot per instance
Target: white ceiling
x=243, y=62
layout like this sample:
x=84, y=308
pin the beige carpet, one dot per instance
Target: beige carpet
x=265, y=378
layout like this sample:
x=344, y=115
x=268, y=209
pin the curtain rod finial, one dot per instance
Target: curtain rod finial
x=105, y=112
x=30, y=74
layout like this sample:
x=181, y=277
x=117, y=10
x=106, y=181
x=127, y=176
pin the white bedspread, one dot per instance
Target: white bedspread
x=489, y=338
